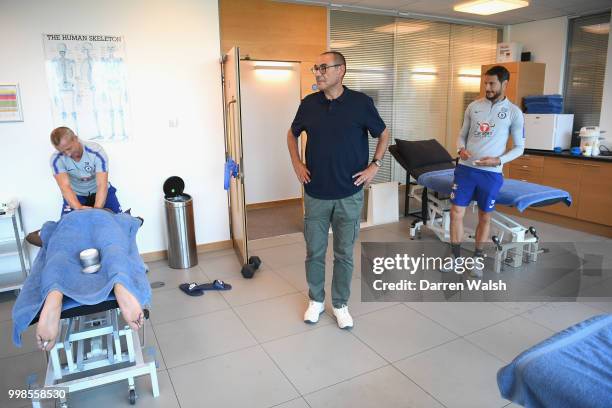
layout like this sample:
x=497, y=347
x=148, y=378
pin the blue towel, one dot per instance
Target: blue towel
x=513, y=193
x=543, y=98
x=546, y=103
x=543, y=108
x=543, y=103
x=571, y=369
x=57, y=265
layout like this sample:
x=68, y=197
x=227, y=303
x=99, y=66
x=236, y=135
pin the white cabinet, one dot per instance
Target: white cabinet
x=14, y=259
x=547, y=131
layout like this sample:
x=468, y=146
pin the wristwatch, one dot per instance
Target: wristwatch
x=377, y=162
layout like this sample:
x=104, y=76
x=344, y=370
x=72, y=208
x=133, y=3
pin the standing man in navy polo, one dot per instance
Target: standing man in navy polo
x=337, y=121
x=81, y=172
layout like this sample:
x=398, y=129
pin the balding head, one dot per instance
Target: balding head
x=335, y=68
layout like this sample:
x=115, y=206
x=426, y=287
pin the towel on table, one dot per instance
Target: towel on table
x=573, y=368
x=57, y=265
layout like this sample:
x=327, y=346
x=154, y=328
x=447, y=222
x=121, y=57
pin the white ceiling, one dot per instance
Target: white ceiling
x=537, y=9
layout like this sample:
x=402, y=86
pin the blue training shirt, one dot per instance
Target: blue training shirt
x=82, y=173
x=337, y=145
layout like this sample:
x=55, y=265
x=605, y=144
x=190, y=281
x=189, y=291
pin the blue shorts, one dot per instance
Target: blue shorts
x=111, y=201
x=476, y=184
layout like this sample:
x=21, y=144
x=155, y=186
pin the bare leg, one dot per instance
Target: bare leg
x=47, y=328
x=130, y=308
x=456, y=227
x=483, y=229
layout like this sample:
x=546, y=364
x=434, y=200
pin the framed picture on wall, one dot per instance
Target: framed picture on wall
x=10, y=103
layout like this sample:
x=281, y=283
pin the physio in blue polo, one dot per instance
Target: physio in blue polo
x=337, y=121
x=81, y=172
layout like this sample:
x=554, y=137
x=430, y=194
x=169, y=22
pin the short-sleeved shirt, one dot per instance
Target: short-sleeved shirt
x=337, y=146
x=82, y=173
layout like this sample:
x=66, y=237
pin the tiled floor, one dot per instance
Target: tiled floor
x=248, y=347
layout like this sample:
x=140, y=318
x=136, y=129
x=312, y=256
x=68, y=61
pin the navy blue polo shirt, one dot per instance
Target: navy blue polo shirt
x=337, y=145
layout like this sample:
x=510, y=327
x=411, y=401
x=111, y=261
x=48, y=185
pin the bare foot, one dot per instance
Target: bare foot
x=130, y=308
x=47, y=328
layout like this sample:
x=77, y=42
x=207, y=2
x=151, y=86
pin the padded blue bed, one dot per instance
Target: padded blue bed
x=57, y=265
x=572, y=369
x=514, y=193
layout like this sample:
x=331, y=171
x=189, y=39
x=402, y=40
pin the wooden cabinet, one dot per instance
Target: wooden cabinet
x=528, y=160
x=563, y=174
x=527, y=168
x=529, y=175
x=588, y=182
x=596, y=193
x=526, y=78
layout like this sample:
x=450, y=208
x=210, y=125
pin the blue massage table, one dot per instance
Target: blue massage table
x=571, y=369
x=514, y=193
x=94, y=345
x=514, y=242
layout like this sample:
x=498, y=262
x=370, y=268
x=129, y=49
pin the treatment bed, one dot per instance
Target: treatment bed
x=98, y=346
x=432, y=167
x=98, y=349
x=571, y=369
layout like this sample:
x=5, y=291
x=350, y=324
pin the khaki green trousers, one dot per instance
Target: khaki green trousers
x=344, y=216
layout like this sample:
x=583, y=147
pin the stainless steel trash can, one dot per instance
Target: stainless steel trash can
x=182, y=251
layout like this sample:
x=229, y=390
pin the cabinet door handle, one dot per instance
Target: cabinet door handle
x=525, y=167
x=591, y=165
x=572, y=164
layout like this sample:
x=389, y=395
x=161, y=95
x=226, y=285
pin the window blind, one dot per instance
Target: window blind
x=421, y=83
x=366, y=41
x=422, y=74
x=470, y=48
x=586, y=66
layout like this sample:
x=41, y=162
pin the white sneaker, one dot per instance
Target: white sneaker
x=343, y=317
x=313, y=312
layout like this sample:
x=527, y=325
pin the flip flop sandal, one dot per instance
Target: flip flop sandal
x=217, y=284
x=191, y=289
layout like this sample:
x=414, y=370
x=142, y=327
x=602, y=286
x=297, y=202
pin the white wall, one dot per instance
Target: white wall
x=605, y=120
x=173, y=72
x=270, y=99
x=547, y=42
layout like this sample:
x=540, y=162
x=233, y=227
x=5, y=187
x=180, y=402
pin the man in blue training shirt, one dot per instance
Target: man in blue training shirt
x=81, y=172
x=337, y=121
x=487, y=124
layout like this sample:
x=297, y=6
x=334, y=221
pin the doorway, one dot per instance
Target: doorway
x=270, y=93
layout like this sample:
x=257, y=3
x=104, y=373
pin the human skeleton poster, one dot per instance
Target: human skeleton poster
x=87, y=80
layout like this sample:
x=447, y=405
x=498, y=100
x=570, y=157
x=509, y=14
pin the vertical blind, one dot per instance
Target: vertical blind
x=366, y=41
x=421, y=74
x=586, y=66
